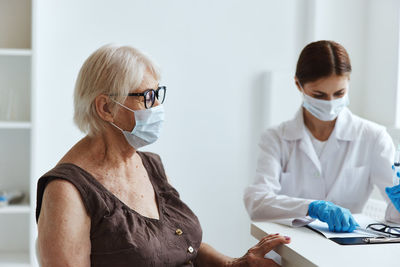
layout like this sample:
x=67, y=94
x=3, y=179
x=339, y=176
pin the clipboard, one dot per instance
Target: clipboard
x=348, y=241
x=365, y=240
x=363, y=237
x=343, y=240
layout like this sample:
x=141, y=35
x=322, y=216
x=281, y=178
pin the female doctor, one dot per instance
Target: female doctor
x=325, y=161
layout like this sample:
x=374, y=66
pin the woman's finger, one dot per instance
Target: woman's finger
x=266, y=245
x=266, y=240
x=268, y=237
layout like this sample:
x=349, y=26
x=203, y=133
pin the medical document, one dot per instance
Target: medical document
x=362, y=220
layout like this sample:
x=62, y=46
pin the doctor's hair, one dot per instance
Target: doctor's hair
x=322, y=59
x=111, y=70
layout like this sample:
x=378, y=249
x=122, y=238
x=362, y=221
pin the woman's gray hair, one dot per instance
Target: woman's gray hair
x=111, y=70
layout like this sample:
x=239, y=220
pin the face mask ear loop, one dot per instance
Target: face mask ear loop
x=302, y=90
x=116, y=126
x=123, y=105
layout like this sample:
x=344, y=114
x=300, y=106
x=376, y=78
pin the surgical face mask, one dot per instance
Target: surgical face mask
x=325, y=110
x=148, y=126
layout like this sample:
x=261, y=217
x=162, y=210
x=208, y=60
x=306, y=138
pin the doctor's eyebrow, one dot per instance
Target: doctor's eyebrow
x=340, y=91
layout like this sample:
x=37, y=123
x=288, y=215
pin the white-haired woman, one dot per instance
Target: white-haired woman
x=107, y=204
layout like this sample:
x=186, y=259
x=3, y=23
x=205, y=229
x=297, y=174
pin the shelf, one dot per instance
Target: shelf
x=16, y=24
x=16, y=209
x=15, y=125
x=15, y=52
x=14, y=259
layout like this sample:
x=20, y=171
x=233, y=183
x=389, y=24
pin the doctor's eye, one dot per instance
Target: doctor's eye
x=319, y=96
x=340, y=93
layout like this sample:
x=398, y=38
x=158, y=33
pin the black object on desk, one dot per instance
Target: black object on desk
x=365, y=240
x=360, y=240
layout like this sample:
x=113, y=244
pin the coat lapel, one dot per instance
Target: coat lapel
x=307, y=147
x=295, y=130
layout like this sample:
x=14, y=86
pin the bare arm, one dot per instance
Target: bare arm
x=208, y=256
x=63, y=227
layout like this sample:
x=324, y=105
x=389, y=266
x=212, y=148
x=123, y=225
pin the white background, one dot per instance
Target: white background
x=214, y=56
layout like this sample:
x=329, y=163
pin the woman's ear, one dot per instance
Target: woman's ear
x=102, y=103
x=296, y=81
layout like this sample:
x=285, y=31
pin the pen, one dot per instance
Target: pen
x=370, y=231
x=381, y=239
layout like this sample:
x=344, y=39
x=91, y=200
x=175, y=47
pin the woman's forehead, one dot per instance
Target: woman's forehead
x=329, y=83
x=148, y=82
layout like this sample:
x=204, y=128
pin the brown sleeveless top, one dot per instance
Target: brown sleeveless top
x=122, y=237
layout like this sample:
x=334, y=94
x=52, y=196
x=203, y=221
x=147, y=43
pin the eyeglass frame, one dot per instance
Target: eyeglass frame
x=144, y=94
x=384, y=228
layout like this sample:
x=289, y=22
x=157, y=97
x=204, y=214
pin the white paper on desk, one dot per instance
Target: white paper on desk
x=299, y=222
x=362, y=220
x=295, y=222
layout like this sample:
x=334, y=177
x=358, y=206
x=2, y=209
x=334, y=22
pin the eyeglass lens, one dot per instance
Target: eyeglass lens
x=150, y=96
x=161, y=94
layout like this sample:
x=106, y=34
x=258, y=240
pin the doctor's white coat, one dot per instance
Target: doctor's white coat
x=289, y=175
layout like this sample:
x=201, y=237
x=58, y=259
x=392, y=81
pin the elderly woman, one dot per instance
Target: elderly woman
x=106, y=203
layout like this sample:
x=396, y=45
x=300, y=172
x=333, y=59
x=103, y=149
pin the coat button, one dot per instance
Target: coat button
x=178, y=231
x=190, y=249
x=317, y=174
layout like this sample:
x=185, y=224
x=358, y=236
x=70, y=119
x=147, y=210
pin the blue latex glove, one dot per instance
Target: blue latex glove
x=338, y=219
x=394, y=195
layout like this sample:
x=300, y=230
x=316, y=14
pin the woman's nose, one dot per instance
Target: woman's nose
x=156, y=102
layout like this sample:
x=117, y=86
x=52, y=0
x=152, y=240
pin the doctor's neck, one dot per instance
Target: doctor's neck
x=321, y=130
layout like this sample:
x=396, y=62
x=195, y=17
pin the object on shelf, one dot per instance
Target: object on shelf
x=11, y=197
x=3, y=201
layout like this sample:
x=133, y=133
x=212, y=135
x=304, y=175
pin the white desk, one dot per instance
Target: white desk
x=309, y=249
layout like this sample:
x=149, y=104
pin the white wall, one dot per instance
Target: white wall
x=213, y=55
x=381, y=77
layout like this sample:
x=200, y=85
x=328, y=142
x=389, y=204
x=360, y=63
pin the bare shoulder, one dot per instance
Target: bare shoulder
x=63, y=227
x=61, y=200
x=62, y=192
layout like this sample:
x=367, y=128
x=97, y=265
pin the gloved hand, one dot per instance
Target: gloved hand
x=339, y=219
x=394, y=195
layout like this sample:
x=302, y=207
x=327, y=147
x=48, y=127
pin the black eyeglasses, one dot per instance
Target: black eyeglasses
x=150, y=96
x=383, y=228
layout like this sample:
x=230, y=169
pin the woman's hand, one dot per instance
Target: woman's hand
x=255, y=255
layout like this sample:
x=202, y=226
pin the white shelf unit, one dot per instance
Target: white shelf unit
x=16, y=52
x=15, y=124
x=23, y=208
x=14, y=260
x=15, y=130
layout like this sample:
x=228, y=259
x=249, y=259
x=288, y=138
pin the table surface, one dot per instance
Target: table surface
x=308, y=248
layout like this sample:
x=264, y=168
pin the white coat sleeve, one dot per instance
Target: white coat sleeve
x=381, y=171
x=262, y=198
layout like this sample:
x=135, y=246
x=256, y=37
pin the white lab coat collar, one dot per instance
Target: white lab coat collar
x=345, y=129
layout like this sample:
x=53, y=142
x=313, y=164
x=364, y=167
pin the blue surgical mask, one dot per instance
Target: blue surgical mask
x=324, y=110
x=148, y=126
